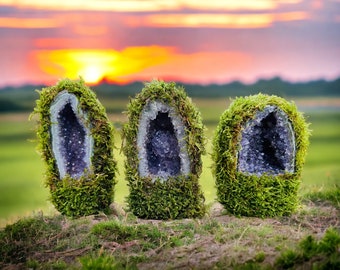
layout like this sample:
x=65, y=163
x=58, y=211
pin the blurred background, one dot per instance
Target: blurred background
x=216, y=49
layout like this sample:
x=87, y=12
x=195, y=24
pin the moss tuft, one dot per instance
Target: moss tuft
x=92, y=192
x=250, y=194
x=179, y=196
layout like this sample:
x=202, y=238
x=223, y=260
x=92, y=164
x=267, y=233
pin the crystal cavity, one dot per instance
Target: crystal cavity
x=267, y=144
x=161, y=142
x=72, y=143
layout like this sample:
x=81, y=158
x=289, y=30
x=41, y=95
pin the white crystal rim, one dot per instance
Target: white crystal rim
x=149, y=113
x=60, y=101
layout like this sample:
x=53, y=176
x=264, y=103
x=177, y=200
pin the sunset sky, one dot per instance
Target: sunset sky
x=190, y=41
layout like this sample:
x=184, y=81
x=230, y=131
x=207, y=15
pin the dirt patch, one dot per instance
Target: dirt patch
x=218, y=240
x=201, y=254
x=240, y=240
x=315, y=217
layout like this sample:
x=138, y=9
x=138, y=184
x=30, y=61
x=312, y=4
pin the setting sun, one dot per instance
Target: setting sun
x=92, y=74
x=95, y=65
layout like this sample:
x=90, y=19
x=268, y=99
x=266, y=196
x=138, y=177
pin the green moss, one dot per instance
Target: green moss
x=91, y=193
x=252, y=195
x=177, y=197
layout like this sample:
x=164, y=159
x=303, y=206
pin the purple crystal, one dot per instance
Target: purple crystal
x=162, y=147
x=267, y=144
x=72, y=135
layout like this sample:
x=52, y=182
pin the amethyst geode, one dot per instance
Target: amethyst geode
x=163, y=144
x=76, y=143
x=259, y=150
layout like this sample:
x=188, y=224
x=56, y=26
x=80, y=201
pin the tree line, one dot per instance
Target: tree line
x=23, y=98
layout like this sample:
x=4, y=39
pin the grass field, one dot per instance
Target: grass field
x=22, y=188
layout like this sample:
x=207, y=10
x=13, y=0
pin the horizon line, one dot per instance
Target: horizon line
x=109, y=82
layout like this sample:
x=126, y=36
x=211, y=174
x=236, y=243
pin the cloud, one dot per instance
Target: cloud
x=199, y=67
x=99, y=5
x=214, y=20
x=150, y=5
x=25, y=23
x=188, y=40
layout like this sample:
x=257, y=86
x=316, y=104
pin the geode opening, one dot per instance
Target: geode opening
x=161, y=143
x=267, y=144
x=162, y=148
x=72, y=142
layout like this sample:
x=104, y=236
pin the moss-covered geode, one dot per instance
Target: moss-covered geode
x=93, y=190
x=177, y=196
x=262, y=194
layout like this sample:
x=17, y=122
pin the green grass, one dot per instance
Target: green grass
x=323, y=158
x=21, y=184
x=313, y=254
x=331, y=195
x=22, y=171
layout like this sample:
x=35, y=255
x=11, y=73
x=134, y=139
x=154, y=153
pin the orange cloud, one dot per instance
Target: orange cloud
x=84, y=41
x=291, y=16
x=94, y=65
x=113, y=5
x=215, y=20
x=10, y=22
x=201, y=67
x=231, y=4
x=208, y=20
x=150, y=5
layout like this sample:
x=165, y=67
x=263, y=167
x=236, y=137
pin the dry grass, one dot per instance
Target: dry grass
x=121, y=240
